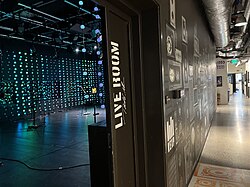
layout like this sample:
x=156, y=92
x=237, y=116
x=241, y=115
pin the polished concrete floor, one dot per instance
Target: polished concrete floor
x=225, y=160
x=62, y=142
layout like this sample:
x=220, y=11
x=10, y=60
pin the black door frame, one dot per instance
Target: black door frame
x=140, y=64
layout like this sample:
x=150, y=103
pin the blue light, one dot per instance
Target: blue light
x=96, y=9
x=97, y=17
x=99, y=39
x=100, y=62
x=80, y=3
x=98, y=52
x=100, y=94
x=97, y=31
x=99, y=74
x=102, y=106
x=82, y=26
x=84, y=50
x=101, y=85
x=86, y=96
x=85, y=73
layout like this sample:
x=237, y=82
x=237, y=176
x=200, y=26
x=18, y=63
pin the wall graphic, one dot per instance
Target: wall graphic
x=188, y=118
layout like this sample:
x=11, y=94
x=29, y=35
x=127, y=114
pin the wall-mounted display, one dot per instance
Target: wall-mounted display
x=172, y=13
x=170, y=42
x=175, y=75
x=184, y=30
x=219, y=81
x=178, y=55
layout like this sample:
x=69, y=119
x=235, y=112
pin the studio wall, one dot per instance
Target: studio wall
x=185, y=79
x=46, y=80
x=189, y=68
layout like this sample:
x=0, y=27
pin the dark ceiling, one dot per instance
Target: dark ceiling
x=51, y=22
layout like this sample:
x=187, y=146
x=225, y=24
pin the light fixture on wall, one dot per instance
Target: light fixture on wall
x=241, y=21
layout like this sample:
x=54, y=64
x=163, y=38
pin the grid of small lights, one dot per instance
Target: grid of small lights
x=47, y=84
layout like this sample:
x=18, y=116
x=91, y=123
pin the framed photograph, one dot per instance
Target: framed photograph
x=175, y=75
x=219, y=81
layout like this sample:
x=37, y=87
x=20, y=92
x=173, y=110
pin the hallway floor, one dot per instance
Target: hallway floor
x=225, y=160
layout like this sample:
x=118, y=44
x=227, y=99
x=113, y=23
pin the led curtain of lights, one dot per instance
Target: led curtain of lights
x=47, y=83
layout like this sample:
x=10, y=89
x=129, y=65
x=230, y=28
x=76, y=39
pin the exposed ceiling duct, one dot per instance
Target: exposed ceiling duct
x=219, y=17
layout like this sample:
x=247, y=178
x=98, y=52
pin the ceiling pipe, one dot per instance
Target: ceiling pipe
x=29, y=41
x=219, y=16
x=6, y=28
x=38, y=11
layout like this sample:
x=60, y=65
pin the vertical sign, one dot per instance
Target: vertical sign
x=120, y=101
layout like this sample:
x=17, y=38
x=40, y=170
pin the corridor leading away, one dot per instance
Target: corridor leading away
x=225, y=161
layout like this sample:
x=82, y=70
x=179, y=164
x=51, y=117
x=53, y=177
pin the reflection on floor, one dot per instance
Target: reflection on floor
x=62, y=142
x=225, y=161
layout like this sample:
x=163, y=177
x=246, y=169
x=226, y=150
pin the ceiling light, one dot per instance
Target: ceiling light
x=241, y=21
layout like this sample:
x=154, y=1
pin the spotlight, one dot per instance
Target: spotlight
x=77, y=50
x=80, y=3
x=96, y=9
x=84, y=50
x=82, y=26
x=97, y=17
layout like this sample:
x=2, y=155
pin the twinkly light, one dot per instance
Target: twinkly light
x=101, y=85
x=97, y=31
x=84, y=50
x=98, y=52
x=80, y=3
x=99, y=74
x=82, y=26
x=86, y=96
x=100, y=62
x=97, y=17
x=77, y=50
x=99, y=39
x=100, y=94
x=95, y=47
x=96, y=9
